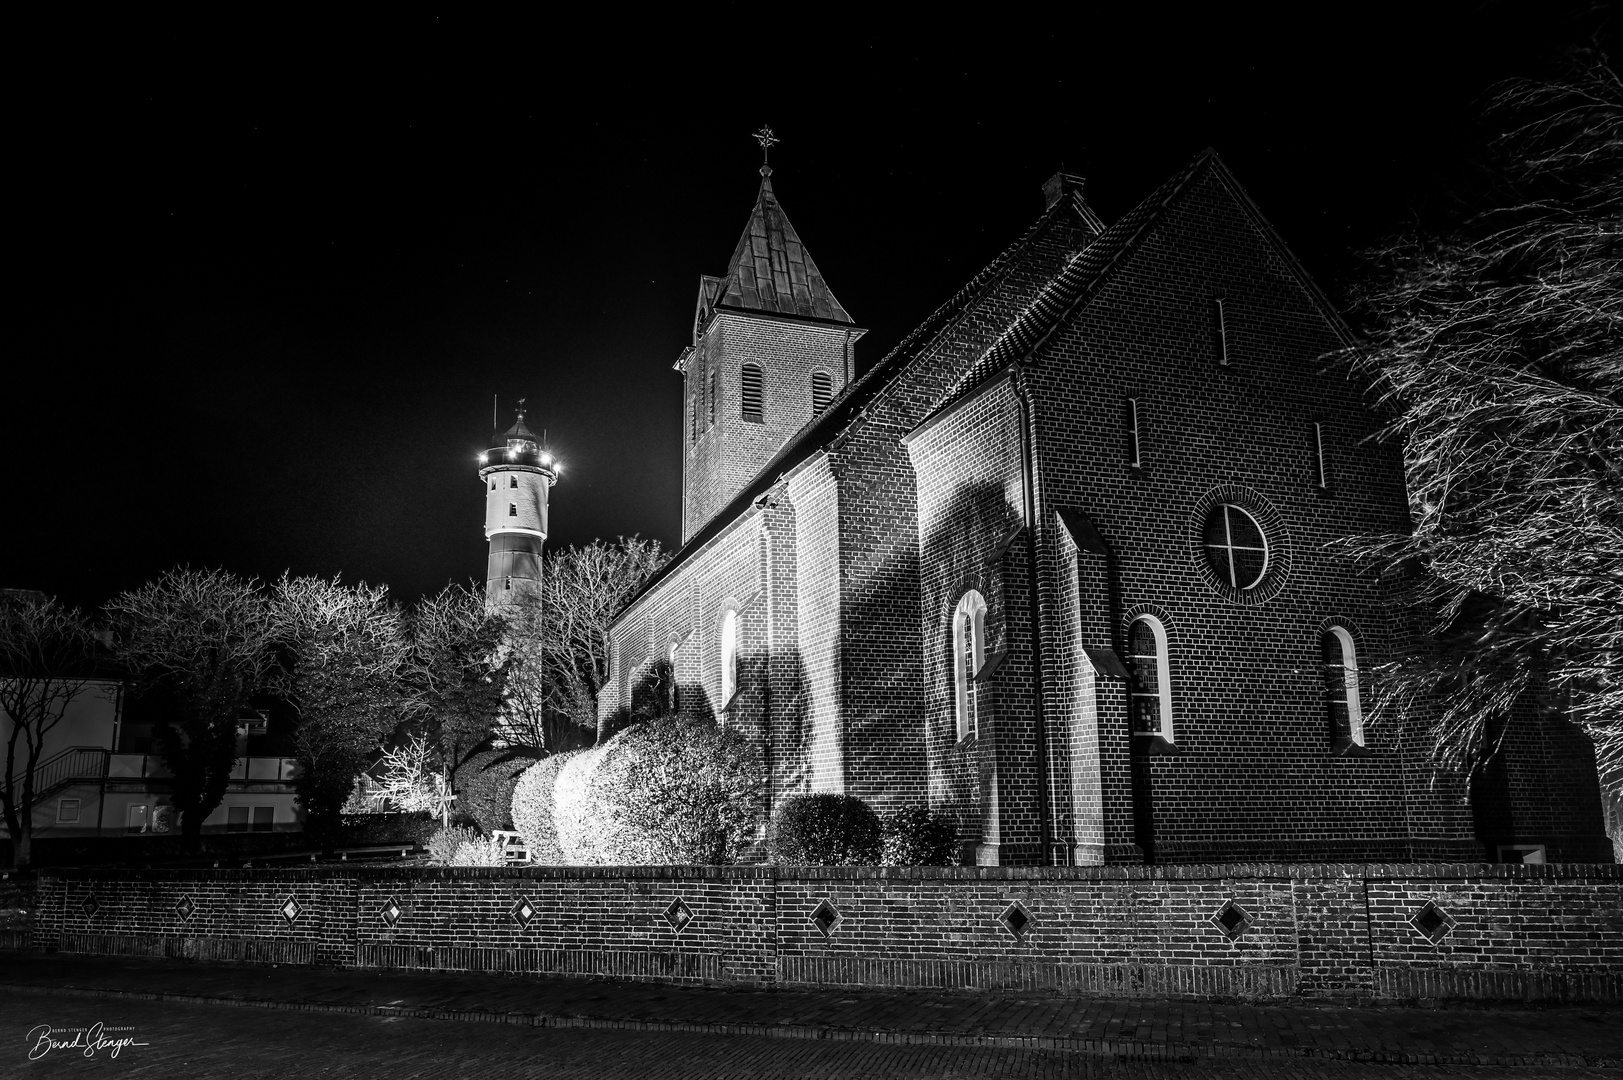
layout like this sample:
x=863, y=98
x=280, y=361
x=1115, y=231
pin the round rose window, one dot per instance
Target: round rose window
x=1236, y=547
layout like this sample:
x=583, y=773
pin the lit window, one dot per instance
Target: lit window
x=752, y=393
x=1150, y=686
x=512, y=509
x=1341, y=687
x=729, y=656
x=968, y=658
x=822, y=391
x=1235, y=546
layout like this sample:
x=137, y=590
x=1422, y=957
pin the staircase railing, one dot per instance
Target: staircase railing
x=73, y=765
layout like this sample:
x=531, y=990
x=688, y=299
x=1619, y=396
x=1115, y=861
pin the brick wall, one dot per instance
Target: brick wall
x=1310, y=931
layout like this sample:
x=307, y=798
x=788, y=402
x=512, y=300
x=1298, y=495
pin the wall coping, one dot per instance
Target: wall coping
x=788, y=874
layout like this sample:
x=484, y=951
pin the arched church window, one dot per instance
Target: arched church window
x=715, y=392
x=1341, y=686
x=968, y=658
x=1151, y=690
x=729, y=656
x=822, y=391
x=752, y=393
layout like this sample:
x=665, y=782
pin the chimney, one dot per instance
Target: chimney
x=1059, y=185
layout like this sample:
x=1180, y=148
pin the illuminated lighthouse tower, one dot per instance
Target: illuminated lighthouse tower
x=517, y=475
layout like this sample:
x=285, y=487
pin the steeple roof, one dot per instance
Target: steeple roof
x=771, y=270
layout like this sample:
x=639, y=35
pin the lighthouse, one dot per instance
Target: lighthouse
x=517, y=474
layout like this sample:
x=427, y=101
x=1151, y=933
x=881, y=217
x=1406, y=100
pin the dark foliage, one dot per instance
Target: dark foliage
x=826, y=830
x=920, y=836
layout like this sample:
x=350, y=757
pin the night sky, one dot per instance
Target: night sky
x=269, y=276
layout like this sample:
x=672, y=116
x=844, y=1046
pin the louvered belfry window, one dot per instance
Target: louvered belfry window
x=822, y=391
x=753, y=392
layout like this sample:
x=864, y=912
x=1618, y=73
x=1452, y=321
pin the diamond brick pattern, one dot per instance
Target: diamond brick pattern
x=391, y=912
x=1431, y=922
x=90, y=906
x=1232, y=919
x=523, y=912
x=827, y=918
x=186, y=908
x=679, y=915
x=1016, y=919
x=291, y=910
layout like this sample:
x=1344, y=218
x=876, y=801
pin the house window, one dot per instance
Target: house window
x=236, y=819
x=1132, y=434
x=1236, y=547
x=1341, y=687
x=968, y=658
x=752, y=393
x=1150, y=686
x=822, y=391
x=1222, y=333
x=264, y=819
x=729, y=656
x=137, y=819
x=67, y=811
x=512, y=509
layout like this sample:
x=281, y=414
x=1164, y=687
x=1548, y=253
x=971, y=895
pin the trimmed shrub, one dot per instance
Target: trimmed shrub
x=485, y=789
x=533, y=805
x=920, y=836
x=669, y=790
x=826, y=830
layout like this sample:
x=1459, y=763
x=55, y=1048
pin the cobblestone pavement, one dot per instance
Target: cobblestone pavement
x=1150, y=1030
x=186, y=1041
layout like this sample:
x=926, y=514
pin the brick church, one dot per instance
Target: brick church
x=1058, y=563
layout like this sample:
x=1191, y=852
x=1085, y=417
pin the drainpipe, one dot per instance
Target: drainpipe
x=1039, y=717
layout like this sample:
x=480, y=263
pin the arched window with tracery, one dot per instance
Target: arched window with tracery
x=1151, y=689
x=968, y=658
x=729, y=656
x=1341, y=686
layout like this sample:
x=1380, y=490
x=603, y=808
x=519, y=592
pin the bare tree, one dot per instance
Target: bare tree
x=344, y=657
x=46, y=656
x=457, y=666
x=197, y=644
x=562, y=647
x=1499, y=348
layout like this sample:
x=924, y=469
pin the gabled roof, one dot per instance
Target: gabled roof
x=1091, y=267
x=771, y=270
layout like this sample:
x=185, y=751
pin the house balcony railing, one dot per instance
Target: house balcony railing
x=151, y=767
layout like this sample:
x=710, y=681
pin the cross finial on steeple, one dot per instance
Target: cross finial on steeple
x=767, y=141
x=521, y=402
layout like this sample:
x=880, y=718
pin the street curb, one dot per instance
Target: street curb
x=1127, y=1049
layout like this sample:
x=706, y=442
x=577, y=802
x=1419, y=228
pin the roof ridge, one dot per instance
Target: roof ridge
x=1083, y=272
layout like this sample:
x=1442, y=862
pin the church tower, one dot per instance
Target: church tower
x=517, y=474
x=771, y=350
